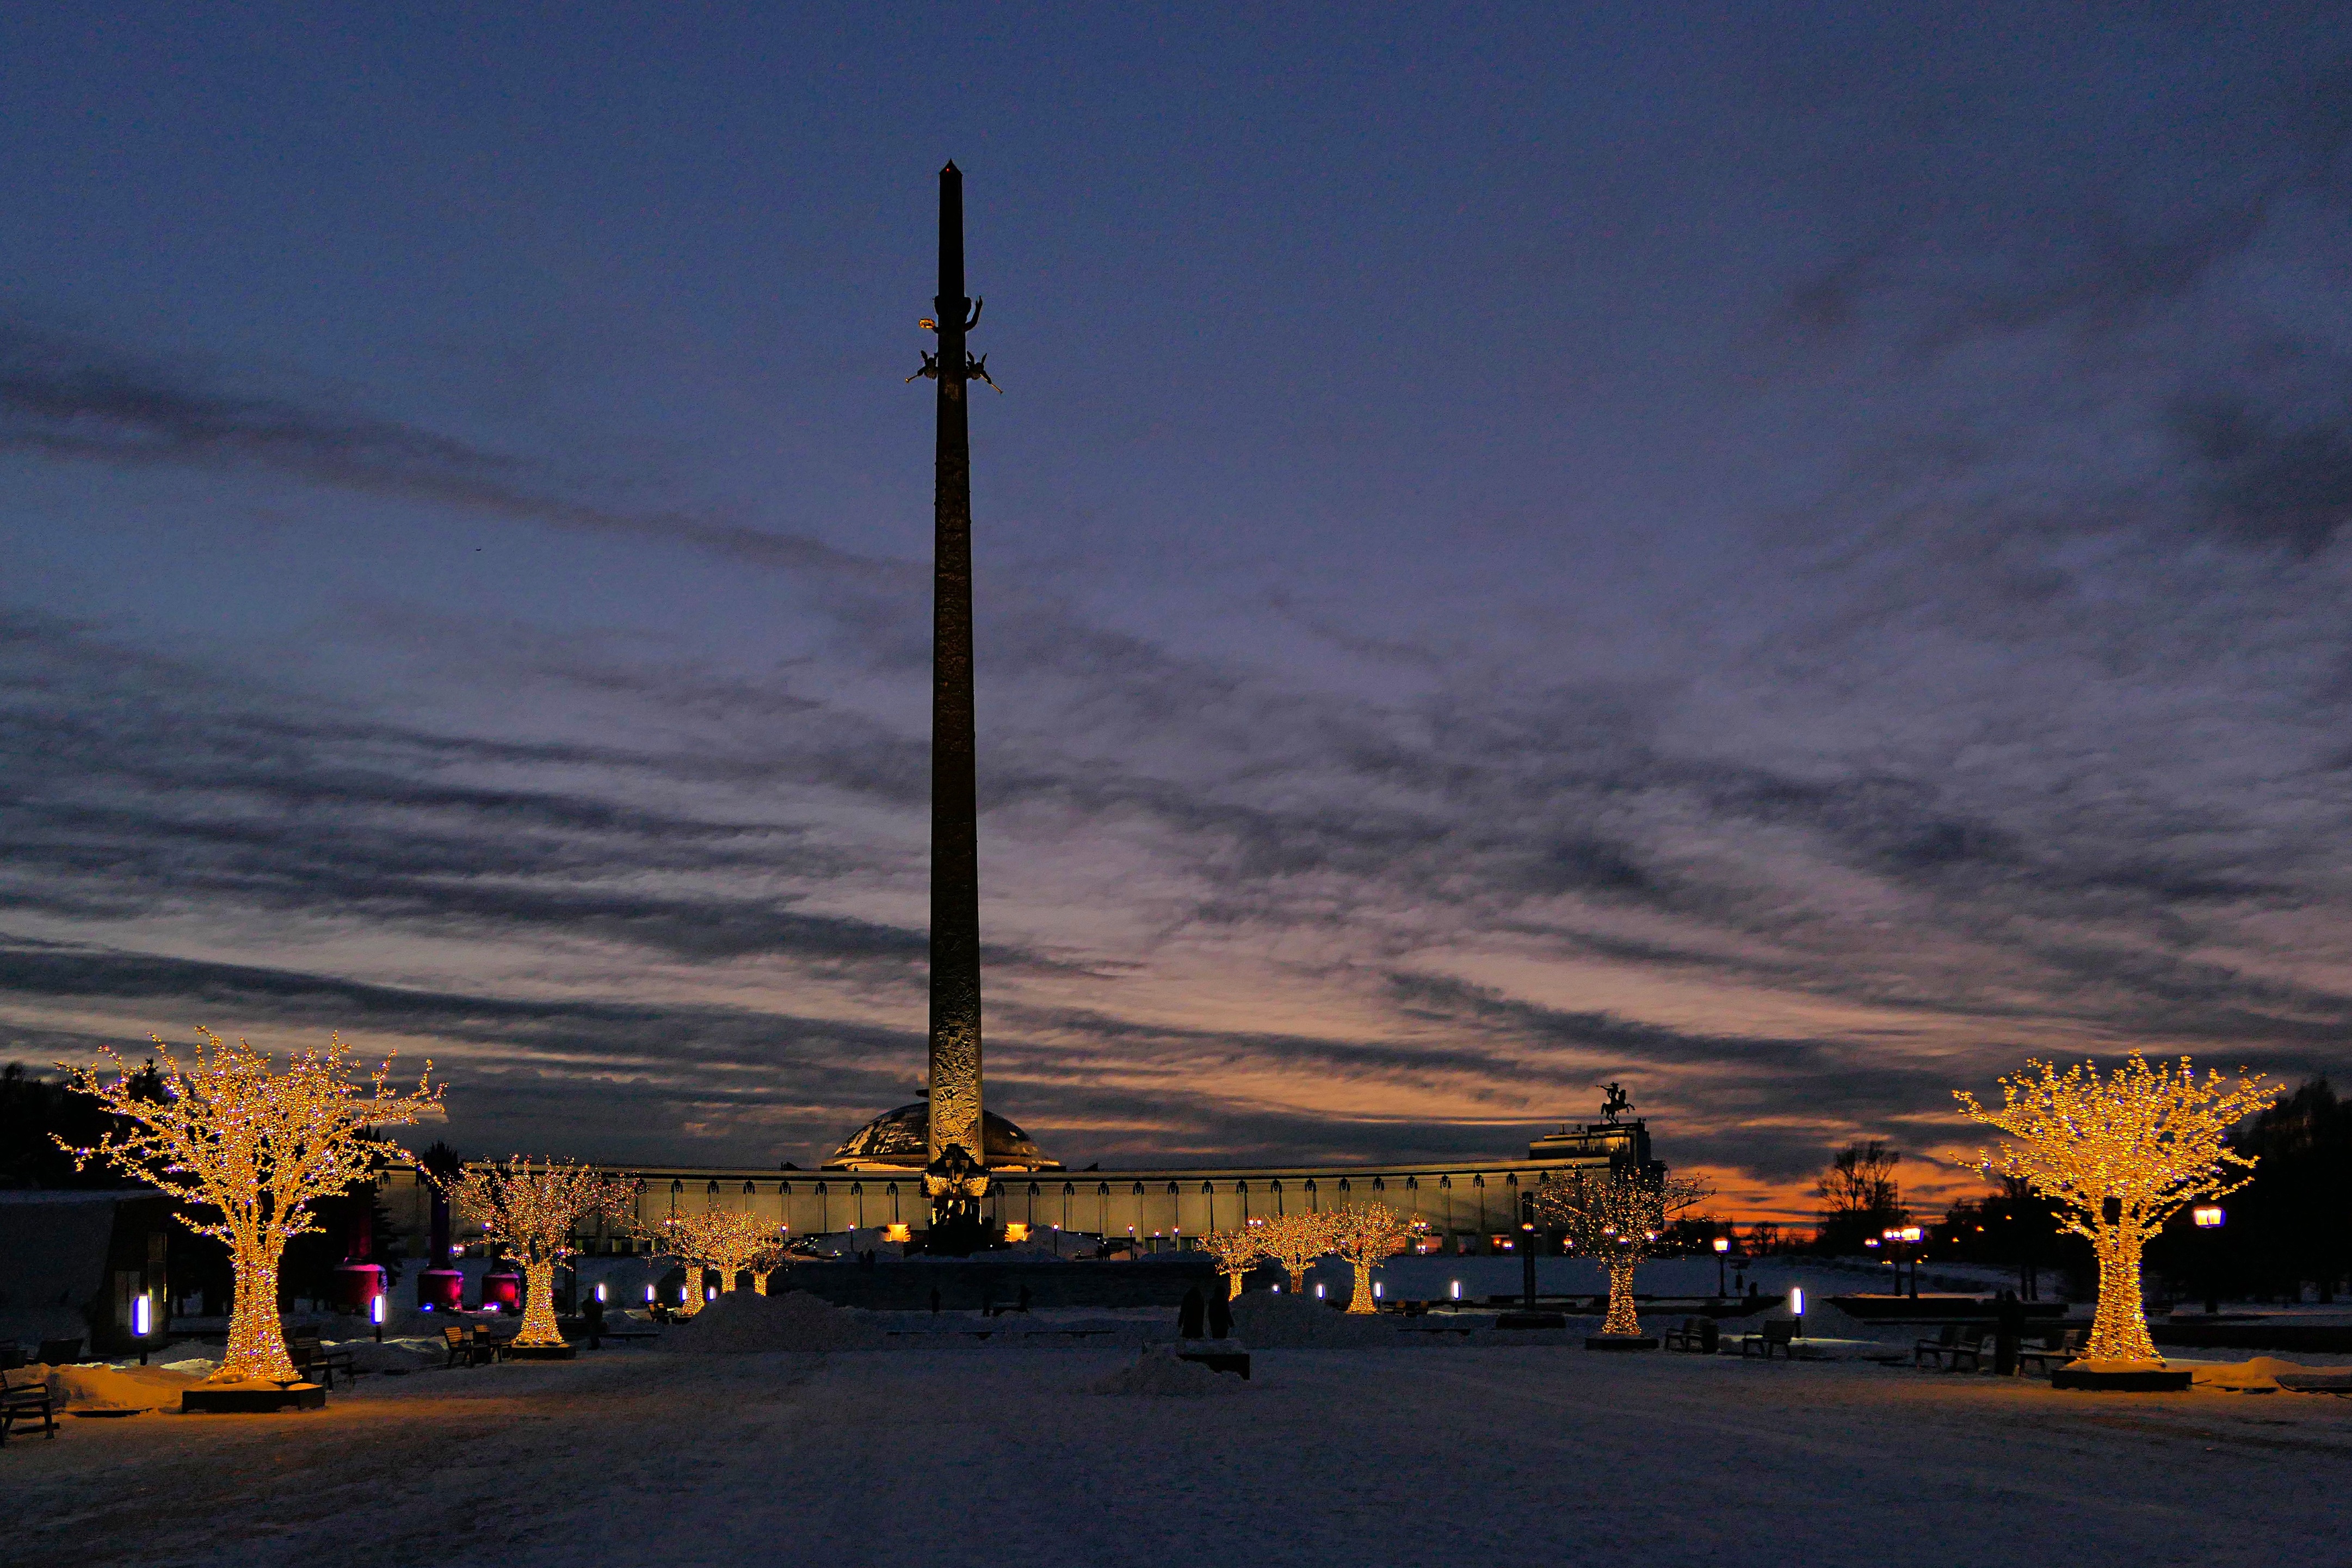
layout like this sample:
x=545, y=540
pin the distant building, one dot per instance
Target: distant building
x=875, y=1182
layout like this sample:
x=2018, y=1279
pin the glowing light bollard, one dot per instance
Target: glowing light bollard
x=501, y=1291
x=440, y=1290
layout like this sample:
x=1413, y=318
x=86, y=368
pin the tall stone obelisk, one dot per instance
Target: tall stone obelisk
x=958, y=1153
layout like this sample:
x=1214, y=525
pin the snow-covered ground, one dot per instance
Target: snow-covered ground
x=1436, y=1454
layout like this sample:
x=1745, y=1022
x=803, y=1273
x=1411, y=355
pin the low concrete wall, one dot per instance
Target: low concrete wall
x=966, y=1284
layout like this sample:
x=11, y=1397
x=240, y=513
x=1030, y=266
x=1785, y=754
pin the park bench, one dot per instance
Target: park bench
x=2065, y=1347
x=1694, y=1335
x=24, y=1401
x=1938, y=1347
x=1780, y=1332
x=317, y=1363
x=12, y=1355
x=59, y=1352
x=1954, y=1346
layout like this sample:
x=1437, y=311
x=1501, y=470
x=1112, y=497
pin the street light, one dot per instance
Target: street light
x=1722, y=1247
x=2210, y=1216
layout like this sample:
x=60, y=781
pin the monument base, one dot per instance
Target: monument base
x=1532, y=1321
x=542, y=1353
x=1220, y=1361
x=1620, y=1342
x=251, y=1399
x=2119, y=1378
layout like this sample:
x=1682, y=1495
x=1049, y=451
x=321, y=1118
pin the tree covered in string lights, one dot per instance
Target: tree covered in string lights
x=1619, y=1217
x=1295, y=1241
x=1236, y=1252
x=724, y=1239
x=232, y=1137
x=530, y=1209
x=2119, y=1155
x=1365, y=1234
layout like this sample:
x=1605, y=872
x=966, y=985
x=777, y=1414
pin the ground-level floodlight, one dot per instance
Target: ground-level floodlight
x=1797, y=1309
x=1457, y=1288
x=649, y=1295
x=376, y=1314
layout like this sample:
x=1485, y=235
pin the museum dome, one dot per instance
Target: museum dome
x=900, y=1140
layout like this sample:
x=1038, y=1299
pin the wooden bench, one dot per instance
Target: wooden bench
x=1694, y=1335
x=2067, y=1347
x=1780, y=1332
x=1941, y=1346
x=59, y=1352
x=23, y=1402
x=317, y=1363
x=1957, y=1345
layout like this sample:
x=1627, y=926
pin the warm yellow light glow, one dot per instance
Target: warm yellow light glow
x=1015, y=1231
x=1236, y=1252
x=1364, y=1233
x=1295, y=1241
x=2207, y=1215
x=257, y=1147
x=2120, y=1155
x=722, y=1239
x=897, y=1233
x=1616, y=1216
x=531, y=1210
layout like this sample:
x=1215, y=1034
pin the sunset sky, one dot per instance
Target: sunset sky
x=1788, y=556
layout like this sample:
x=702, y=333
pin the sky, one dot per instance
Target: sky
x=1791, y=557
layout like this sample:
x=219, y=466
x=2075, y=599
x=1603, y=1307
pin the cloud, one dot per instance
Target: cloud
x=66, y=397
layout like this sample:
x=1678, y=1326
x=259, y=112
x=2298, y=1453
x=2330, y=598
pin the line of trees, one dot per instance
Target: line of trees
x=2288, y=1230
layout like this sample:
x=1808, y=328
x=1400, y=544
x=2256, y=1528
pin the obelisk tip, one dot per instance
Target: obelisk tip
x=952, y=169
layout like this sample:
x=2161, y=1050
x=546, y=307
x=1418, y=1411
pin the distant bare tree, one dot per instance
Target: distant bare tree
x=1861, y=1194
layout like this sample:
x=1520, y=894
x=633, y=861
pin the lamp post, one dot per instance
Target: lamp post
x=1527, y=1247
x=1911, y=1237
x=2210, y=1217
x=1722, y=1249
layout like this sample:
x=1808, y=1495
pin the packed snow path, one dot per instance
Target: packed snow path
x=1456, y=1458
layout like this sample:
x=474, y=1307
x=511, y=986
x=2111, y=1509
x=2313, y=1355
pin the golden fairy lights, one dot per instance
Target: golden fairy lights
x=1295, y=1241
x=1364, y=1233
x=723, y=1239
x=1620, y=1217
x=529, y=1210
x=2120, y=1155
x=256, y=1146
x=1236, y=1252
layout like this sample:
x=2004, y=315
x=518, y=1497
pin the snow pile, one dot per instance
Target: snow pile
x=1265, y=1320
x=396, y=1356
x=741, y=1321
x=119, y=1388
x=2264, y=1374
x=1157, y=1374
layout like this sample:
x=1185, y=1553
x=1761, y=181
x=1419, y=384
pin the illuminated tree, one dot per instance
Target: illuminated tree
x=1364, y=1233
x=725, y=1240
x=529, y=1210
x=230, y=1136
x=2119, y=1156
x=1236, y=1251
x=1620, y=1217
x=1295, y=1241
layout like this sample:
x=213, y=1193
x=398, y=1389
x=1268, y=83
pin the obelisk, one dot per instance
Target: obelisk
x=957, y=1150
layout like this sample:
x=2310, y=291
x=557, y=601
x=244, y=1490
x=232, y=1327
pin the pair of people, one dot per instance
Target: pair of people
x=1197, y=1312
